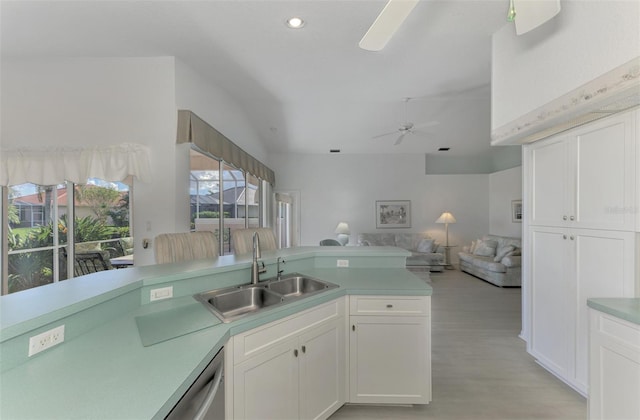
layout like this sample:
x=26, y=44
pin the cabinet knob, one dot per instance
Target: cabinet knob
x=564, y=236
x=389, y=306
x=295, y=352
x=572, y=218
x=571, y=237
x=304, y=349
x=564, y=217
x=353, y=328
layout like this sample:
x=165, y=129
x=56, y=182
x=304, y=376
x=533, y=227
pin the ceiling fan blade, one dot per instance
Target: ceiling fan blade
x=399, y=140
x=532, y=13
x=385, y=134
x=386, y=24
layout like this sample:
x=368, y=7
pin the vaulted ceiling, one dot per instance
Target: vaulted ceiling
x=307, y=90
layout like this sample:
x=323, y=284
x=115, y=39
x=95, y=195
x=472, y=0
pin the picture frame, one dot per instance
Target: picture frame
x=516, y=211
x=393, y=214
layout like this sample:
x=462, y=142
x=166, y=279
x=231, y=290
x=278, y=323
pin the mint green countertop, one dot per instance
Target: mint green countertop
x=623, y=308
x=107, y=372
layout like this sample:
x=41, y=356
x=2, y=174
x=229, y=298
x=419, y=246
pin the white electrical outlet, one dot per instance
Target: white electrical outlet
x=343, y=263
x=162, y=293
x=45, y=340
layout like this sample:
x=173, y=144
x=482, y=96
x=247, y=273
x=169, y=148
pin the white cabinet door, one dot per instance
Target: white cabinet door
x=604, y=267
x=614, y=364
x=586, y=178
x=551, y=286
x=605, y=184
x=291, y=368
x=322, y=370
x=550, y=182
x=266, y=385
x=390, y=360
x=568, y=267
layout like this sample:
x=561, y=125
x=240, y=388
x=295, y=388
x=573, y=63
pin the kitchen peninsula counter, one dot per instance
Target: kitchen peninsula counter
x=103, y=370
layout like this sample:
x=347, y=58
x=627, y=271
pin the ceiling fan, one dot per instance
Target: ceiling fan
x=386, y=24
x=527, y=15
x=406, y=127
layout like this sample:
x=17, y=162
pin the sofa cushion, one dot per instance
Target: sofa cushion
x=485, y=248
x=503, y=251
x=378, y=239
x=426, y=245
x=466, y=256
x=488, y=264
x=504, y=240
x=511, y=261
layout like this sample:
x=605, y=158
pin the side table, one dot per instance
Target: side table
x=447, y=256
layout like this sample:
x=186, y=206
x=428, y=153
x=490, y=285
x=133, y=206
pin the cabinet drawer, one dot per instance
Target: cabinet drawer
x=254, y=341
x=390, y=305
x=625, y=332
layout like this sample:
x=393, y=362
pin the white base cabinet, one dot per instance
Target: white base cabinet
x=292, y=368
x=390, y=349
x=614, y=366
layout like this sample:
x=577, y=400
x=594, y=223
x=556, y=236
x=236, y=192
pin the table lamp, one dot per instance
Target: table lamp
x=343, y=233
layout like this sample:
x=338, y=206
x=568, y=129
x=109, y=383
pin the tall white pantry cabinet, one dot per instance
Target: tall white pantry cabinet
x=581, y=225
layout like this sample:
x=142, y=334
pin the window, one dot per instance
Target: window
x=38, y=222
x=216, y=185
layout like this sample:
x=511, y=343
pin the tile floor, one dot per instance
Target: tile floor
x=481, y=369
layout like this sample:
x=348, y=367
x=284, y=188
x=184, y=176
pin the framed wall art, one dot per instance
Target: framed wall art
x=516, y=211
x=393, y=214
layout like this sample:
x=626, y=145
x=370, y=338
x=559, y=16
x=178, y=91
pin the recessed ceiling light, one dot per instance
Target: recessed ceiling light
x=295, y=22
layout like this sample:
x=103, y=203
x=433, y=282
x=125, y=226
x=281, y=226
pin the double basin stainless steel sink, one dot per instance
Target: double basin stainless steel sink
x=232, y=303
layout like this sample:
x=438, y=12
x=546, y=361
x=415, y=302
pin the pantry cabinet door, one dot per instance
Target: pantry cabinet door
x=605, y=178
x=551, y=170
x=552, y=285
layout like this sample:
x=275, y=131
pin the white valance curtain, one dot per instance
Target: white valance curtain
x=56, y=165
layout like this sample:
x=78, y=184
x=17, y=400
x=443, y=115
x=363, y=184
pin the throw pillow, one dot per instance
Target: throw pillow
x=485, y=248
x=426, y=246
x=503, y=251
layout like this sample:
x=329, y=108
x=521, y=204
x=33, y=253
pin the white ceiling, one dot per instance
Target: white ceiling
x=307, y=90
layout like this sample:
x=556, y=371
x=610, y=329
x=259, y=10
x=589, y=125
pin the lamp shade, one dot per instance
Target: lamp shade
x=446, y=217
x=343, y=228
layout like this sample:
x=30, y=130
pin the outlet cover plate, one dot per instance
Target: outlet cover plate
x=46, y=340
x=161, y=293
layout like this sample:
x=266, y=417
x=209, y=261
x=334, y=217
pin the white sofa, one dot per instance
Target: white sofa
x=497, y=260
x=425, y=252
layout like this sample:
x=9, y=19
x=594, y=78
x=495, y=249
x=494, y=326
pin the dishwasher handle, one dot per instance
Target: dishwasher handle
x=214, y=385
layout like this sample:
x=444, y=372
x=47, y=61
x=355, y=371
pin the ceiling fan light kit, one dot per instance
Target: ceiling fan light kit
x=406, y=127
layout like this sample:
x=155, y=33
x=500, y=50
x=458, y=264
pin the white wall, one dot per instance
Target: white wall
x=214, y=105
x=336, y=188
x=504, y=186
x=585, y=40
x=84, y=102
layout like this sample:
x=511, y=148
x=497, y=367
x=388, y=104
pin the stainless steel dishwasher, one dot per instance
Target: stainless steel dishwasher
x=204, y=400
